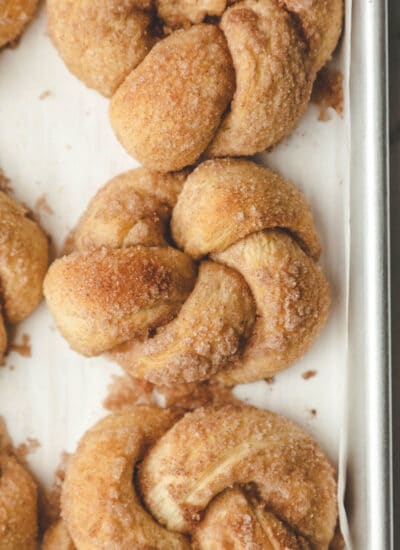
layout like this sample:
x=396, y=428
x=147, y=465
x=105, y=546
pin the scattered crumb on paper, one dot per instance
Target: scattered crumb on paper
x=24, y=348
x=42, y=206
x=125, y=392
x=328, y=92
x=309, y=374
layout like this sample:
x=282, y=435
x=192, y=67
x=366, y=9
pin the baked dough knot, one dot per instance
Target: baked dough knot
x=259, y=299
x=220, y=477
x=225, y=80
x=14, y=16
x=23, y=265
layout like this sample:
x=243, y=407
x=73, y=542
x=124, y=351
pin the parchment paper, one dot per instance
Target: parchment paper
x=56, y=142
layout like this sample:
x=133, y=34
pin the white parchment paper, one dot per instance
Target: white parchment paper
x=56, y=142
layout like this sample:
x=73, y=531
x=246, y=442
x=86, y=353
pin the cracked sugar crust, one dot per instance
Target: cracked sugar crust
x=14, y=16
x=100, y=41
x=169, y=108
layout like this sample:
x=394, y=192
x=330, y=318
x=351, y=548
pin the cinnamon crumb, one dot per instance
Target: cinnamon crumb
x=5, y=183
x=68, y=245
x=42, y=206
x=25, y=449
x=44, y=95
x=328, y=92
x=126, y=392
x=24, y=348
x=313, y=413
x=309, y=374
x=270, y=380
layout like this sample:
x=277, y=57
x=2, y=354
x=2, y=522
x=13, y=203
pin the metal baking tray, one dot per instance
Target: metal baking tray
x=369, y=465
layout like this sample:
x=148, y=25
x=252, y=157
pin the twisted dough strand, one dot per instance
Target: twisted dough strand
x=227, y=476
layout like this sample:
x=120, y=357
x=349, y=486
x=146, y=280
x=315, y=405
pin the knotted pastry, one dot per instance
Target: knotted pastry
x=220, y=477
x=23, y=264
x=14, y=16
x=233, y=81
x=18, y=502
x=259, y=299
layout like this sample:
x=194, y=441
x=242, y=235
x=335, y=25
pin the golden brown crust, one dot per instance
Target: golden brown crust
x=100, y=41
x=225, y=200
x=273, y=84
x=14, y=16
x=209, y=331
x=100, y=504
x=292, y=298
x=23, y=263
x=105, y=297
x=168, y=109
x=215, y=448
x=57, y=538
x=133, y=208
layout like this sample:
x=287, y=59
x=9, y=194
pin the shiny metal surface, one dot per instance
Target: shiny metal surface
x=369, y=438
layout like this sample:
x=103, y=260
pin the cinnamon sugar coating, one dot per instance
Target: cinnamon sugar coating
x=209, y=331
x=100, y=41
x=259, y=301
x=18, y=500
x=14, y=16
x=168, y=109
x=103, y=298
x=220, y=477
x=23, y=264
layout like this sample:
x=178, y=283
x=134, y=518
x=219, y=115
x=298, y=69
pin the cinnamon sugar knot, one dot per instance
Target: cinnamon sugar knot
x=259, y=299
x=226, y=78
x=23, y=265
x=146, y=478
